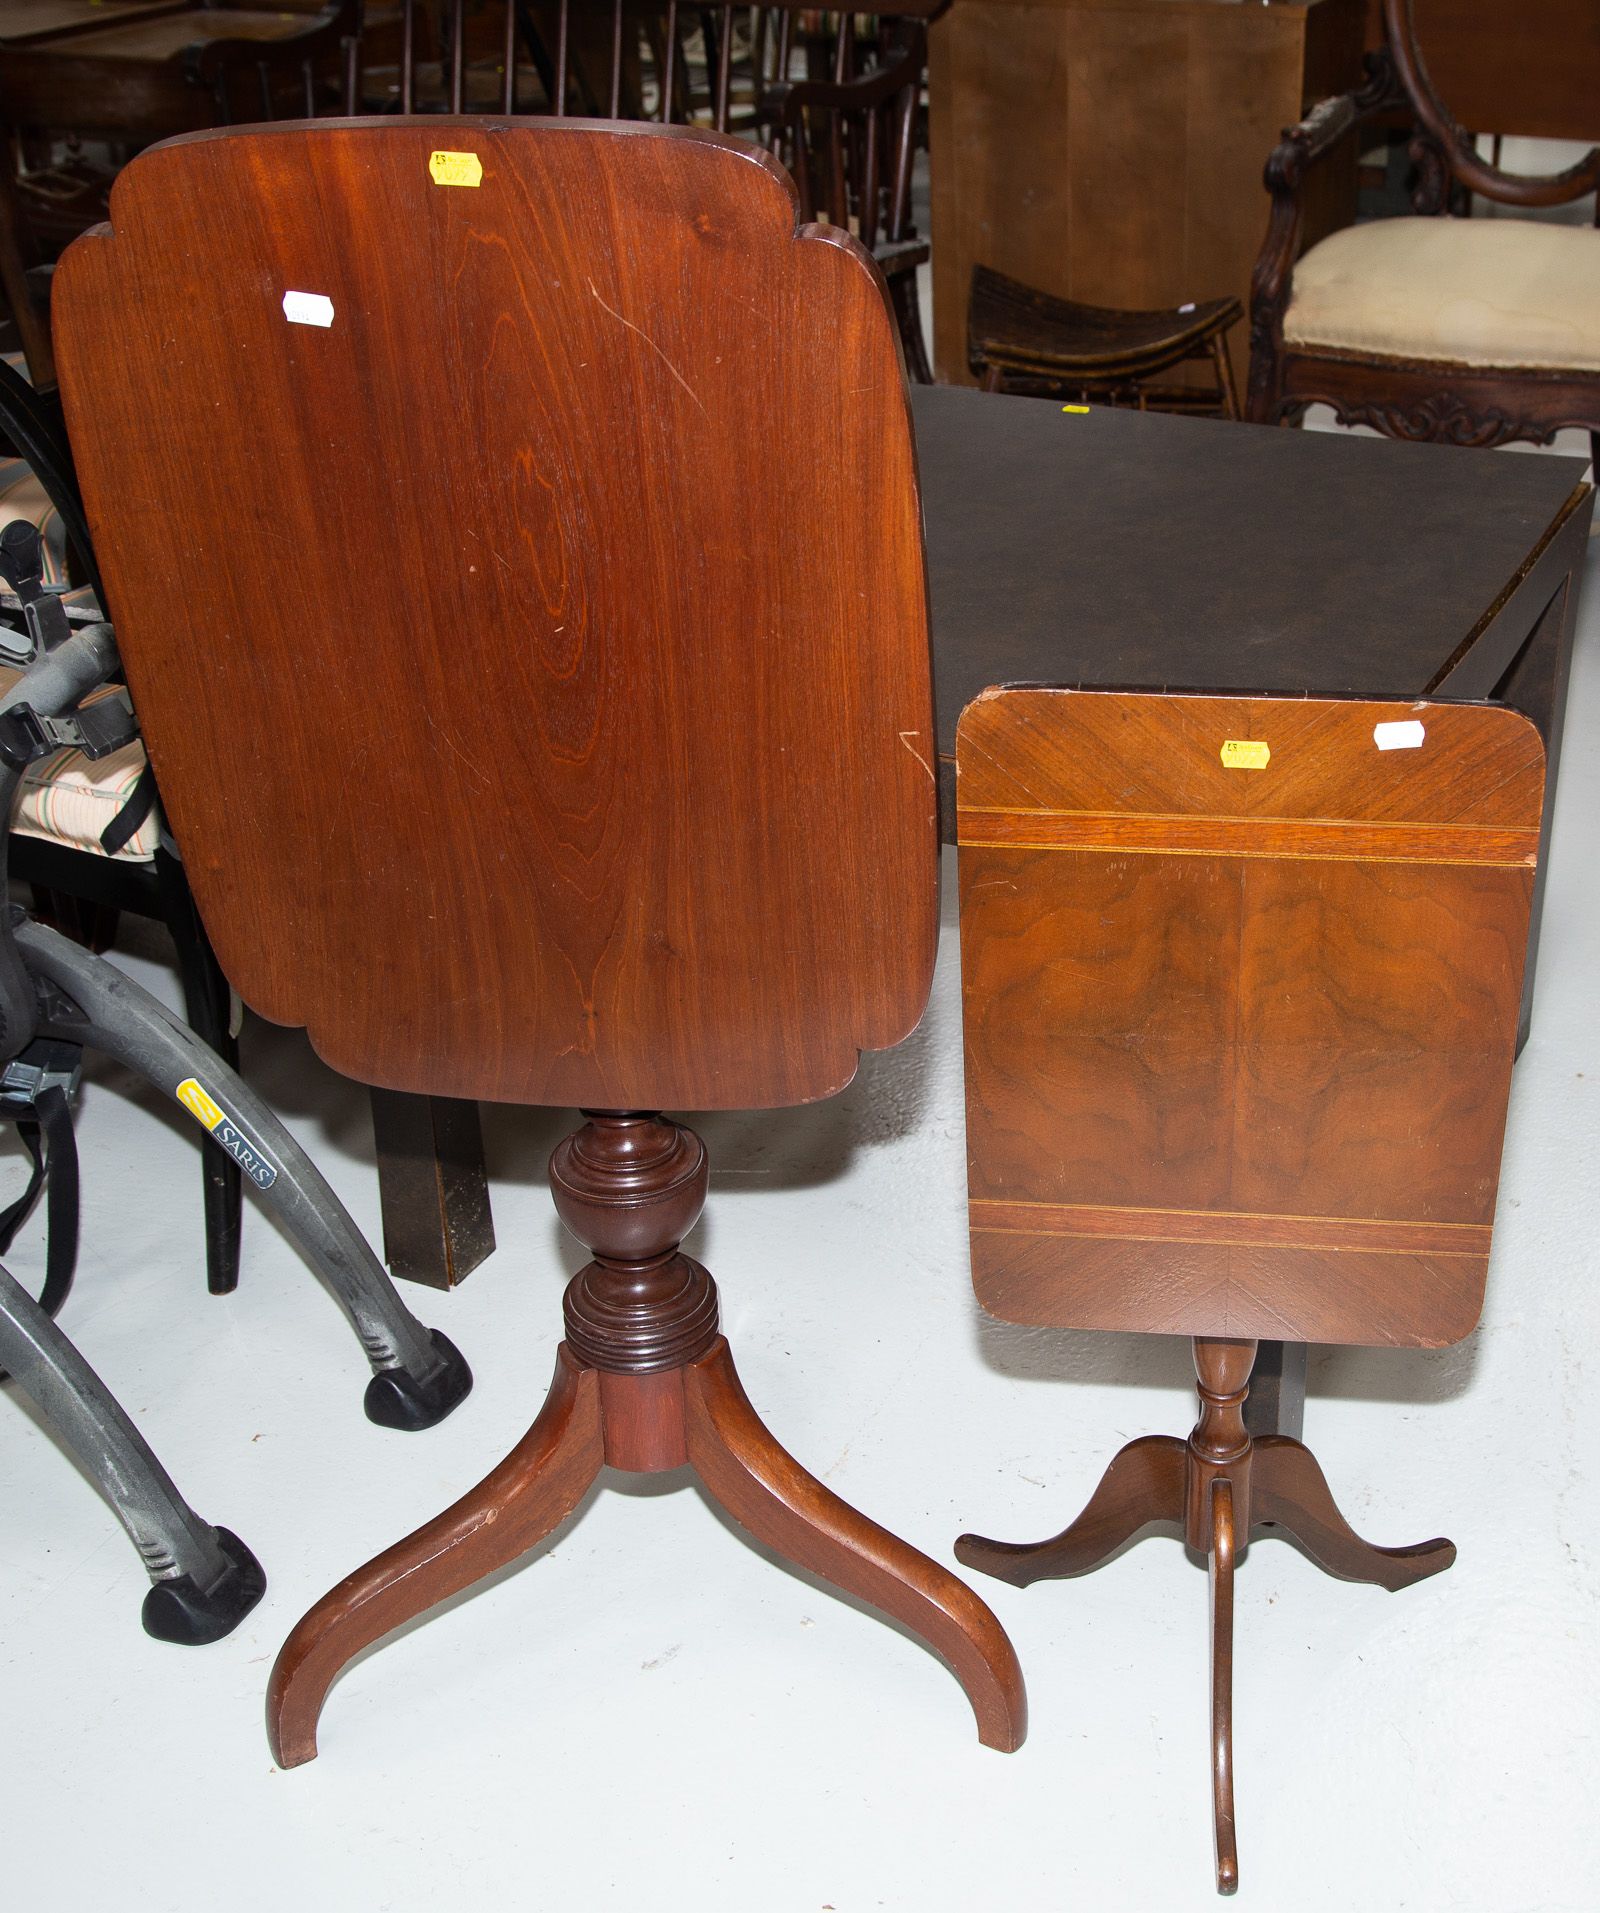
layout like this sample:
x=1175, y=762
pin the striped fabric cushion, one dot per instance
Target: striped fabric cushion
x=67, y=800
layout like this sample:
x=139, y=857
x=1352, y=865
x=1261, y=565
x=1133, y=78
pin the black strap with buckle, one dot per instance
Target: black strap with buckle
x=96, y=729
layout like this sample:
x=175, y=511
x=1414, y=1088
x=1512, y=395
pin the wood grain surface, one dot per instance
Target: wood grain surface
x=538, y=725
x=1226, y=1087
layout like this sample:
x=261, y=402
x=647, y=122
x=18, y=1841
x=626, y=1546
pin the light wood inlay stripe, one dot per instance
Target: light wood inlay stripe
x=1273, y=837
x=1230, y=1229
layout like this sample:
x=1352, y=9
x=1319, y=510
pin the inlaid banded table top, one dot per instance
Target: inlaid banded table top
x=1240, y=981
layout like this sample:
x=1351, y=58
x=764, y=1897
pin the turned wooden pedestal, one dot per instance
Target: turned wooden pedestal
x=644, y=1382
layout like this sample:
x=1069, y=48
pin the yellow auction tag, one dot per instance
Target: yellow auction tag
x=1245, y=754
x=1074, y=408
x=456, y=169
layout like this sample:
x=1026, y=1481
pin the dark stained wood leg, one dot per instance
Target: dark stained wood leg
x=1218, y=1484
x=644, y=1382
x=768, y=1492
x=437, y=1225
x=1221, y=1551
x=1143, y=1485
x=528, y=1496
x=1287, y=1487
x=1276, y=1404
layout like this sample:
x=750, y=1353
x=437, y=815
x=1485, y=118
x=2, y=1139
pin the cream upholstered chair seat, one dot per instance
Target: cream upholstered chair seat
x=65, y=799
x=1479, y=292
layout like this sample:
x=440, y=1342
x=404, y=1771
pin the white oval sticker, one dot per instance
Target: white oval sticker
x=308, y=308
x=1398, y=737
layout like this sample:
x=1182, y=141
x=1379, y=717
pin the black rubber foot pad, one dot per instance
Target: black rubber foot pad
x=396, y=1400
x=178, y=1611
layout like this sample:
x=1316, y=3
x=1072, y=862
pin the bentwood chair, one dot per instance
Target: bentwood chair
x=1464, y=331
x=608, y=742
x=1240, y=982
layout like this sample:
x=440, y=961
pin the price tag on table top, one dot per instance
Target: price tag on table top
x=456, y=169
x=1245, y=754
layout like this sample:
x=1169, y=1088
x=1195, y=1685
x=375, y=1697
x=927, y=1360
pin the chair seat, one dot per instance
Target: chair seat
x=1010, y=322
x=1482, y=292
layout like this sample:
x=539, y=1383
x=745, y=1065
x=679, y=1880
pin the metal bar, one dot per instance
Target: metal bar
x=408, y=57
x=171, y=1538
x=128, y=1024
x=458, y=50
x=672, y=64
x=616, y=61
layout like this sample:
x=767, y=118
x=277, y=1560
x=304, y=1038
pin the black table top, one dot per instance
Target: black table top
x=1129, y=548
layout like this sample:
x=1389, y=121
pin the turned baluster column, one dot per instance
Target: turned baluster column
x=1220, y=1445
x=631, y=1185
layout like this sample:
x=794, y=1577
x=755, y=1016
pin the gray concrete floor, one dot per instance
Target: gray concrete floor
x=651, y=1711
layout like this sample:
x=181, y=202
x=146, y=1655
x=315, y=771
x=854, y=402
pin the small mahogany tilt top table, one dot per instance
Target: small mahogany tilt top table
x=1121, y=549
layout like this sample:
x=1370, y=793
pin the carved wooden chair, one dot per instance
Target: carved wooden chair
x=495, y=696
x=1240, y=986
x=1465, y=331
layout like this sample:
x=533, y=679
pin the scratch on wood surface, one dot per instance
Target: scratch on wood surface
x=489, y=548
x=476, y=769
x=905, y=738
x=653, y=347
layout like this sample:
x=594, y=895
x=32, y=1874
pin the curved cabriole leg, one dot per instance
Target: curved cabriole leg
x=770, y=1494
x=1227, y=1845
x=529, y=1495
x=1144, y=1484
x=1288, y=1487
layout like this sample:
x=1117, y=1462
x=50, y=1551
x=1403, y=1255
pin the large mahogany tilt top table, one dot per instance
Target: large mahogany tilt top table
x=1120, y=549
